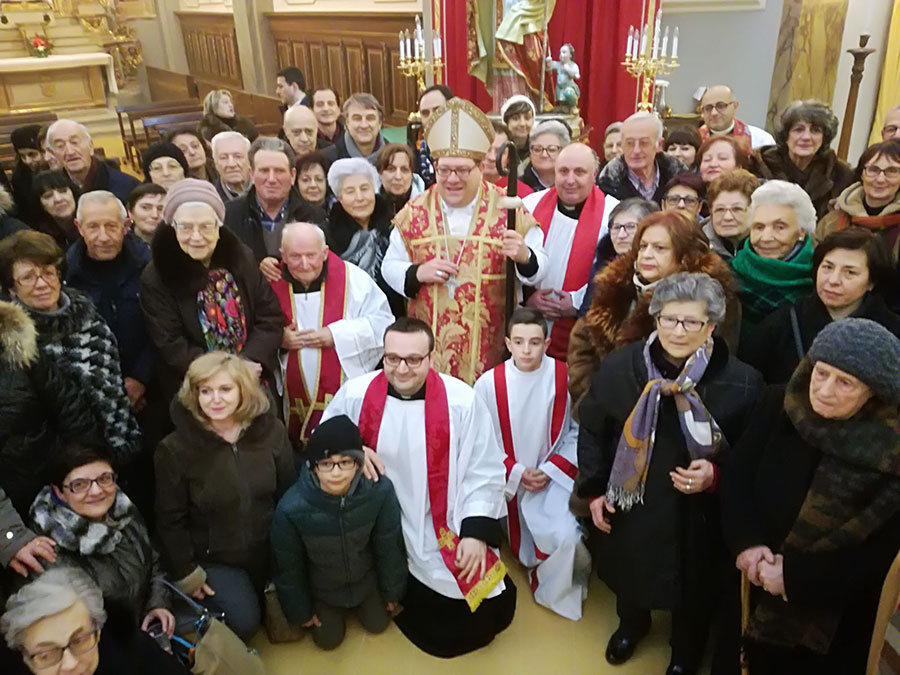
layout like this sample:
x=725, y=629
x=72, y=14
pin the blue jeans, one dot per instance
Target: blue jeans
x=235, y=597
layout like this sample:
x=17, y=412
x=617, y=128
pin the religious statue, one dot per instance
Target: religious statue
x=506, y=50
x=567, y=71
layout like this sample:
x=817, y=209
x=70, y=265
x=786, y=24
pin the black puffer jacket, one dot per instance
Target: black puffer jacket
x=337, y=549
x=214, y=499
x=39, y=409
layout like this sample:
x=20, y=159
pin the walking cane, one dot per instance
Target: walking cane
x=511, y=203
x=745, y=621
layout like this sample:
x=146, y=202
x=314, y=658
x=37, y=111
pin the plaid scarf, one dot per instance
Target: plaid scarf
x=767, y=283
x=221, y=313
x=635, y=448
x=854, y=491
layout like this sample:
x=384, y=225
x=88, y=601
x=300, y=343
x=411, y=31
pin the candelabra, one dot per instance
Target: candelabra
x=413, y=62
x=644, y=59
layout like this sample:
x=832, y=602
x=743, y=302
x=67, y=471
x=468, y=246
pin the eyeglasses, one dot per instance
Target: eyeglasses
x=78, y=645
x=327, y=465
x=80, y=485
x=619, y=228
x=461, y=173
x=675, y=200
x=48, y=273
x=412, y=361
x=689, y=325
x=549, y=150
x=873, y=171
x=203, y=228
x=735, y=210
x=721, y=107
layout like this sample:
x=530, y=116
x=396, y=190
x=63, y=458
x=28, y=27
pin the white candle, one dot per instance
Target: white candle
x=416, y=43
x=665, y=42
x=656, y=34
x=637, y=43
x=644, y=39
x=435, y=52
x=440, y=50
x=402, y=50
x=675, y=44
x=630, y=40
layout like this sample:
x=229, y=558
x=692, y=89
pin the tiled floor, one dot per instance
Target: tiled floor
x=538, y=641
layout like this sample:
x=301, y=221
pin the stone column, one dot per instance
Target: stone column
x=255, y=45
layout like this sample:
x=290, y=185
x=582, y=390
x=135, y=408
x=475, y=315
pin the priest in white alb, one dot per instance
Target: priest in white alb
x=573, y=215
x=428, y=435
x=449, y=247
x=528, y=400
x=335, y=316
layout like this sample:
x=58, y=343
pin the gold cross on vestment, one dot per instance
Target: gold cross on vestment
x=446, y=539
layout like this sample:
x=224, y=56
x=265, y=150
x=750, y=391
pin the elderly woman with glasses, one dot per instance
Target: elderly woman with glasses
x=728, y=225
x=359, y=225
x=656, y=425
x=97, y=528
x=873, y=201
x=202, y=290
x=774, y=265
x=219, y=476
x=686, y=192
x=64, y=367
x=803, y=155
x=546, y=140
x=59, y=624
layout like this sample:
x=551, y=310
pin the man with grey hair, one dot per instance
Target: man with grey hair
x=574, y=216
x=363, y=117
x=71, y=144
x=643, y=170
x=546, y=140
x=335, y=318
x=231, y=155
x=258, y=217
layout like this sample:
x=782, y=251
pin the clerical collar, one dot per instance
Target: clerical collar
x=573, y=212
x=314, y=287
x=724, y=132
x=418, y=396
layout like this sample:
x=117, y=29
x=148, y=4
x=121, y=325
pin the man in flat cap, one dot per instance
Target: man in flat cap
x=449, y=247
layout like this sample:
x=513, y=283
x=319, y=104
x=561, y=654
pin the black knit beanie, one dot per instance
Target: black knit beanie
x=163, y=149
x=26, y=137
x=336, y=436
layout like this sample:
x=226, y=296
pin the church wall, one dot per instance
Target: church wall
x=734, y=48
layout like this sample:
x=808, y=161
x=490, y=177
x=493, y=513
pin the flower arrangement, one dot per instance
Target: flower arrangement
x=40, y=46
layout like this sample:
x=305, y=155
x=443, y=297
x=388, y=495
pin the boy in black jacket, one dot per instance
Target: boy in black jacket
x=336, y=540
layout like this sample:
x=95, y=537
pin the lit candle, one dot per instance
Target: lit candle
x=675, y=44
x=644, y=39
x=630, y=41
x=665, y=42
x=408, y=45
x=402, y=50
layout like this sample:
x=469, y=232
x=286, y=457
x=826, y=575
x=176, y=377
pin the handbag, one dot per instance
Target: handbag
x=216, y=649
x=278, y=628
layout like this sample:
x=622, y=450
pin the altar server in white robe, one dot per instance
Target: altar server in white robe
x=528, y=400
x=335, y=316
x=436, y=444
x=573, y=215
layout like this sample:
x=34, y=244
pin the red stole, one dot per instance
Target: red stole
x=437, y=454
x=556, y=423
x=581, y=257
x=740, y=132
x=305, y=410
x=524, y=189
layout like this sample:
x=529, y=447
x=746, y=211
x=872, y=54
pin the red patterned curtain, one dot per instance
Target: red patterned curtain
x=597, y=31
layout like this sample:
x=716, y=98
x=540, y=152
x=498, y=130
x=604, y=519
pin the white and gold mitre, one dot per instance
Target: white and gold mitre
x=459, y=129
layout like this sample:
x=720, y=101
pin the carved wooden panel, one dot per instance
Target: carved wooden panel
x=348, y=54
x=211, y=47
